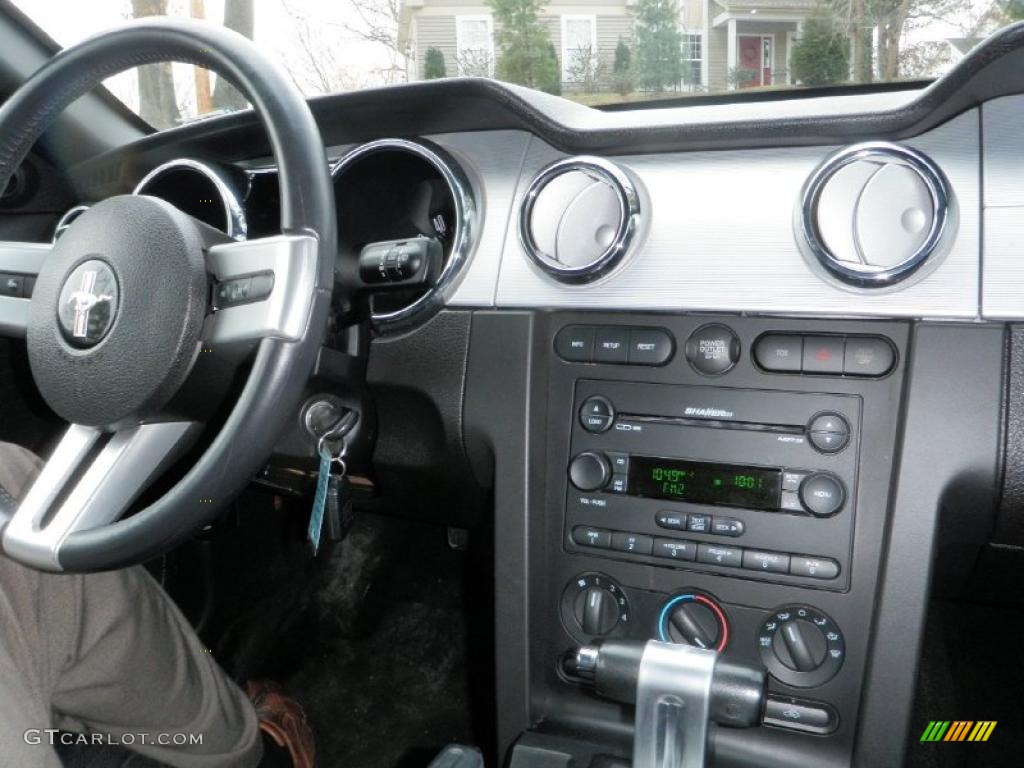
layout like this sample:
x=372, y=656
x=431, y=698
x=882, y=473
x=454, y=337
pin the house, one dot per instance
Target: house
x=726, y=43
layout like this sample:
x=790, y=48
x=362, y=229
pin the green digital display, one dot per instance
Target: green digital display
x=702, y=482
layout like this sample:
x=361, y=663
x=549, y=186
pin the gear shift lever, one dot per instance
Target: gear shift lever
x=677, y=689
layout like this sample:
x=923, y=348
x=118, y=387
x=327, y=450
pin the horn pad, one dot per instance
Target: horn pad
x=117, y=311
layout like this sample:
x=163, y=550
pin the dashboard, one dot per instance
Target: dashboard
x=707, y=372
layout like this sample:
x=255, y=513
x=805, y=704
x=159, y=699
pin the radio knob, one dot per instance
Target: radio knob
x=589, y=471
x=822, y=494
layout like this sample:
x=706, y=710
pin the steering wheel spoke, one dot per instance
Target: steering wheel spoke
x=89, y=481
x=263, y=289
x=19, y=265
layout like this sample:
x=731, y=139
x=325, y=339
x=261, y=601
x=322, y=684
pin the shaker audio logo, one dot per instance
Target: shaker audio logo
x=958, y=730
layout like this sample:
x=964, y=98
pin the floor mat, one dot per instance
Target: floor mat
x=396, y=660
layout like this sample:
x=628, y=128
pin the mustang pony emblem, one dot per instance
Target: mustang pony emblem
x=84, y=300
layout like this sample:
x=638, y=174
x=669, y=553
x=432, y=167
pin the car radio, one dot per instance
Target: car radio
x=748, y=483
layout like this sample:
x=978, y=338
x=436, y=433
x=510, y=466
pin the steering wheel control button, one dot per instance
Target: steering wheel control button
x=589, y=471
x=588, y=536
x=868, y=356
x=12, y=285
x=823, y=354
x=828, y=432
x=713, y=554
x=767, y=562
x=575, y=343
x=822, y=494
x=801, y=646
x=611, y=345
x=780, y=352
x=799, y=715
x=88, y=304
x=596, y=414
x=813, y=567
x=713, y=349
x=675, y=549
x=671, y=520
x=650, y=346
x=634, y=543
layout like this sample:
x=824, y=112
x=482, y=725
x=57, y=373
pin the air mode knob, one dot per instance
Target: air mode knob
x=589, y=471
x=801, y=646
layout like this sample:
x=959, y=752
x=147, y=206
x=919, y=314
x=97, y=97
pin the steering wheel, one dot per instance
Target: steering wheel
x=124, y=319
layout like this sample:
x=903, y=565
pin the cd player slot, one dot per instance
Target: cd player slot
x=685, y=421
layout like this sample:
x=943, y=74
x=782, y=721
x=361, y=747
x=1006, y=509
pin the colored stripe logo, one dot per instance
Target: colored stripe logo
x=958, y=730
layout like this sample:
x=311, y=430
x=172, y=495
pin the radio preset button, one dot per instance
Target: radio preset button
x=713, y=349
x=596, y=414
x=727, y=526
x=670, y=520
x=635, y=543
x=575, y=343
x=769, y=562
x=611, y=345
x=780, y=352
x=813, y=567
x=675, y=549
x=822, y=494
x=589, y=471
x=698, y=523
x=714, y=554
x=588, y=536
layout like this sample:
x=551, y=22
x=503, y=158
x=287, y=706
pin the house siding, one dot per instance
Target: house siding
x=435, y=32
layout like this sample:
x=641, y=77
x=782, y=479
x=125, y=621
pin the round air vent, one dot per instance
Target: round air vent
x=874, y=214
x=578, y=218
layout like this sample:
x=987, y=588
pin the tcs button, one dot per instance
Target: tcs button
x=713, y=349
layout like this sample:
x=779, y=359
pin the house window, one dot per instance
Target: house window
x=692, y=59
x=474, y=46
x=579, y=48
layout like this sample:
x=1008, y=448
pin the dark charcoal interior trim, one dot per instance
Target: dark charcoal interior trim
x=440, y=106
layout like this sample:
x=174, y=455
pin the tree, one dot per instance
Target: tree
x=239, y=15
x=622, y=69
x=378, y=21
x=1012, y=10
x=157, y=103
x=433, y=65
x=526, y=56
x=822, y=55
x=659, y=53
x=584, y=69
x=204, y=97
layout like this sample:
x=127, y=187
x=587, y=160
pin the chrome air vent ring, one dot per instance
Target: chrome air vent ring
x=872, y=215
x=578, y=218
x=166, y=182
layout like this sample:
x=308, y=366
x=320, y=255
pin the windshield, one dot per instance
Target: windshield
x=598, y=52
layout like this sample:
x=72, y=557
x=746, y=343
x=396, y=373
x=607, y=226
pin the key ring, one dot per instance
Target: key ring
x=323, y=449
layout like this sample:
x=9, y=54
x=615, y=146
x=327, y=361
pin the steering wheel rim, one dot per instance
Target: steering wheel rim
x=293, y=325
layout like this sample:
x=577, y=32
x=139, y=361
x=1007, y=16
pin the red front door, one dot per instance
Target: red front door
x=755, y=56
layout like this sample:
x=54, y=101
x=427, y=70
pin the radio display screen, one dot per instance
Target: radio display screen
x=701, y=482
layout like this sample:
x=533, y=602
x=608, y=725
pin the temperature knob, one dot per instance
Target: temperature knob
x=801, y=646
x=694, y=619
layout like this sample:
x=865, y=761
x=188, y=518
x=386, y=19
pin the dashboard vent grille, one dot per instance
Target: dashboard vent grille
x=578, y=218
x=874, y=214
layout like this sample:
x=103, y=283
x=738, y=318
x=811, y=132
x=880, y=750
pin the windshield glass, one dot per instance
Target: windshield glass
x=592, y=51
